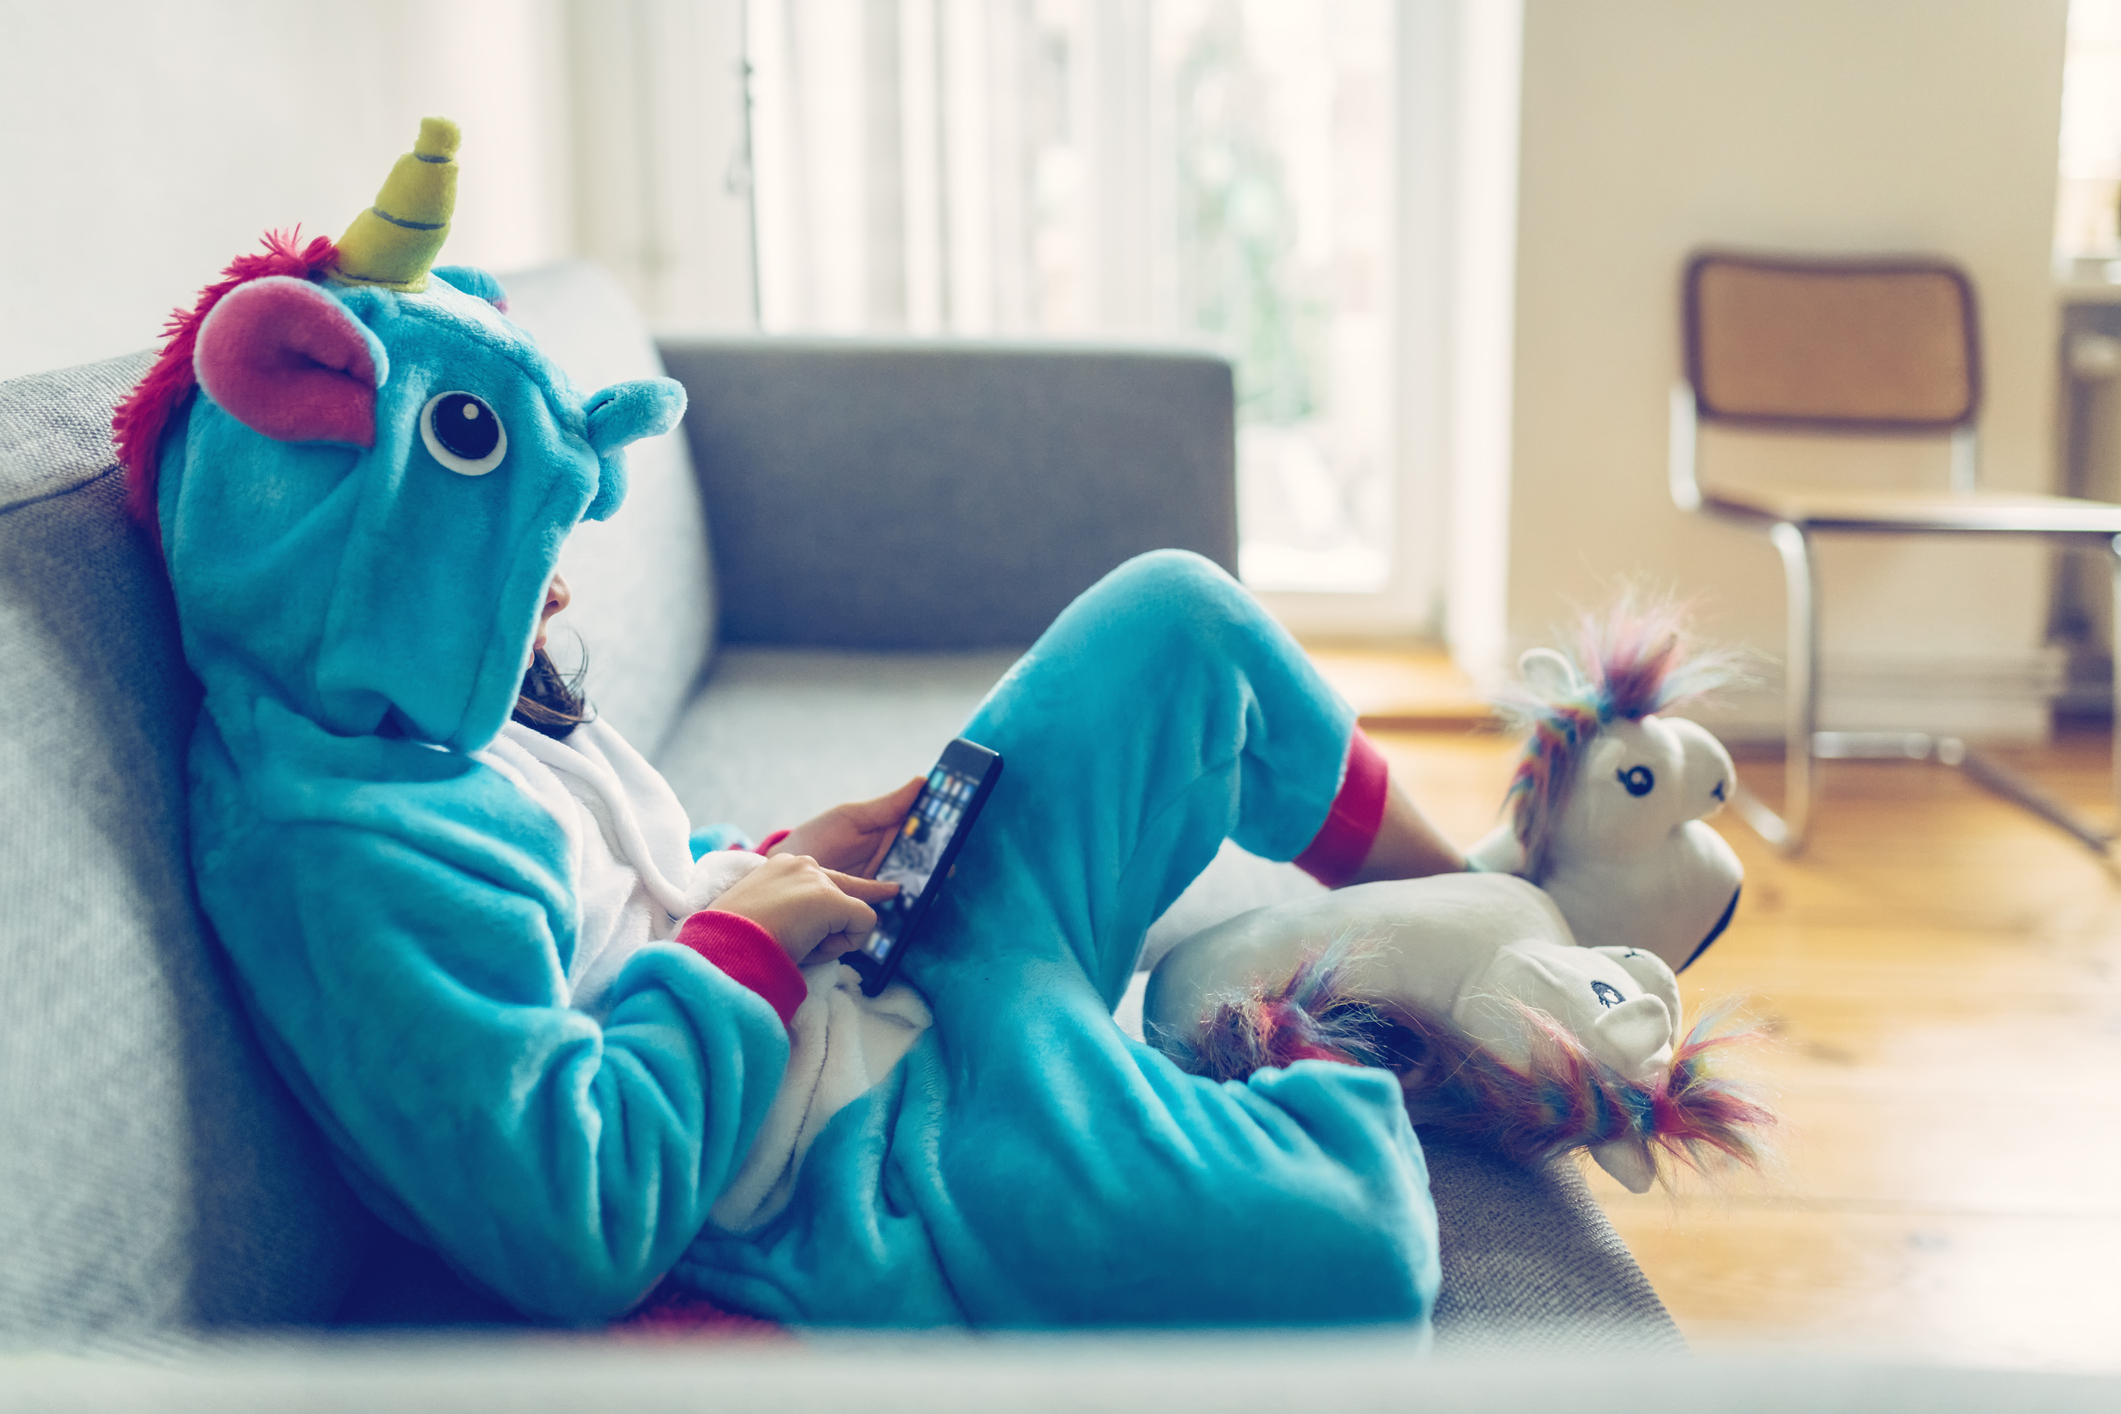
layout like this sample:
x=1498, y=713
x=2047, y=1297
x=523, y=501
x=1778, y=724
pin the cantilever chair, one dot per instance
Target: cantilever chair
x=1862, y=347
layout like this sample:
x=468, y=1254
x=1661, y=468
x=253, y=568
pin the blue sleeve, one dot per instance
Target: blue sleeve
x=707, y=839
x=411, y=981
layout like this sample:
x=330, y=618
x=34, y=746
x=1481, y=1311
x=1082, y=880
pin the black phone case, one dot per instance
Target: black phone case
x=877, y=975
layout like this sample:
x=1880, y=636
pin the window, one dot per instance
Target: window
x=2091, y=134
x=1199, y=170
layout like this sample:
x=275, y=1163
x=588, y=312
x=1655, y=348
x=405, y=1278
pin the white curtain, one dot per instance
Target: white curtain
x=2091, y=133
x=1208, y=170
x=955, y=166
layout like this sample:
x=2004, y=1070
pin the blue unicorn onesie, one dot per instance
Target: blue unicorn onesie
x=362, y=473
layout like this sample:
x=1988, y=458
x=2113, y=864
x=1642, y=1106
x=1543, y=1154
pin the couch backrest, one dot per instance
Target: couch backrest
x=154, y=1172
x=946, y=493
x=644, y=594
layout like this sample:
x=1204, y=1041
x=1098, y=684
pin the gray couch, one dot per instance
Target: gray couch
x=806, y=594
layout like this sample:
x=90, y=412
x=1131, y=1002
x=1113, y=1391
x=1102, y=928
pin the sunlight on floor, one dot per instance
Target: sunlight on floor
x=1941, y=980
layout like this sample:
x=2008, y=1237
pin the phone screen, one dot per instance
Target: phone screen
x=922, y=844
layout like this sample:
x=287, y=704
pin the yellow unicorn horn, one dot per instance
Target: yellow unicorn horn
x=393, y=243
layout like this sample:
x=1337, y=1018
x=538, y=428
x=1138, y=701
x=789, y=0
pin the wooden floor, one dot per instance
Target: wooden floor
x=1941, y=975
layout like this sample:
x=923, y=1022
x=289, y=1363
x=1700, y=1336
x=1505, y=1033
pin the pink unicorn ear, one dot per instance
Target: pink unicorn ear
x=286, y=359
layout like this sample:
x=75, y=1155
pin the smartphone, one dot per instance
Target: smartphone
x=920, y=858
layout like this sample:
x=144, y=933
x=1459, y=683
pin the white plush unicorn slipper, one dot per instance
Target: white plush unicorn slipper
x=1609, y=809
x=1470, y=986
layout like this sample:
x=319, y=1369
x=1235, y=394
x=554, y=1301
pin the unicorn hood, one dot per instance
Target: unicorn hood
x=361, y=474
x=362, y=504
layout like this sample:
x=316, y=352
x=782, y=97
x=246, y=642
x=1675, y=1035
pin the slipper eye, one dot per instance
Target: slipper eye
x=462, y=433
x=1639, y=780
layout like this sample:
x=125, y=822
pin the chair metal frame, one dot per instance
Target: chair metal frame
x=1792, y=523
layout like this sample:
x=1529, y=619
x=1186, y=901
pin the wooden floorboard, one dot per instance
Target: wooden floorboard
x=1940, y=978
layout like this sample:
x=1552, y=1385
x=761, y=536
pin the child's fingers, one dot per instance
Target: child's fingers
x=834, y=947
x=887, y=810
x=858, y=888
x=879, y=818
x=886, y=836
x=853, y=919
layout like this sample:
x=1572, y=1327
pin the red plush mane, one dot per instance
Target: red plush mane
x=140, y=420
x=1564, y=1099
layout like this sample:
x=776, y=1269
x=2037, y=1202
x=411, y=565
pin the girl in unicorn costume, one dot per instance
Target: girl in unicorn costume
x=1538, y=1013
x=546, y=1040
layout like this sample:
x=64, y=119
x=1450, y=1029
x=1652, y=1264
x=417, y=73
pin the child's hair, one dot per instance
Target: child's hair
x=1564, y=1099
x=551, y=703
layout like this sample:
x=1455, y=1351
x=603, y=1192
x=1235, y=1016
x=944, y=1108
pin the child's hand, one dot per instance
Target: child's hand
x=808, y=908
x=853, y=838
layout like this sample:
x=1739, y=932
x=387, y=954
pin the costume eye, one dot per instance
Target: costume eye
x=1638, y=780
x=1608, y=997
x=462, y=433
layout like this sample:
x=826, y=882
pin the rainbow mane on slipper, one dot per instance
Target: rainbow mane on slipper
x=1531, y=1103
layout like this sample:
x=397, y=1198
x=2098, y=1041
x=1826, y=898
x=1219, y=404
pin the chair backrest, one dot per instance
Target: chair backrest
x=1855, y=345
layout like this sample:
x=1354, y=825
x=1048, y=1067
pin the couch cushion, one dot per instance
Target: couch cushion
x=644, y=599
x=776, y=735
x=155, y=1172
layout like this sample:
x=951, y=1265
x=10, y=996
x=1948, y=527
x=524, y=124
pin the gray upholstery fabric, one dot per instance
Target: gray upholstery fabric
x=644, y=603
x=776, y=735
x=154, y=1172
x=1364, y=1372
x=867, y=494
x=1531, y=1262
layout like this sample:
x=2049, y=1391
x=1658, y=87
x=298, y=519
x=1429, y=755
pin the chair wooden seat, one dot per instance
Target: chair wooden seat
x=1890, y=512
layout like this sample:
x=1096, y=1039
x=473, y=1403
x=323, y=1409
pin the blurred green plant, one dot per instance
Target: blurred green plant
x=1237, y=231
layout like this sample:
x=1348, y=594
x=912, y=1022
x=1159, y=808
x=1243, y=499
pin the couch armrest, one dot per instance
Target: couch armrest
x=903, y=494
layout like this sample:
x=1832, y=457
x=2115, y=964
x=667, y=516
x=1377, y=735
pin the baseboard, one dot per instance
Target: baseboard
x=1999, y=698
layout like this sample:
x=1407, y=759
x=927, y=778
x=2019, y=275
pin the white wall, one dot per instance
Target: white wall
x=144, y=145
x=1652, y=126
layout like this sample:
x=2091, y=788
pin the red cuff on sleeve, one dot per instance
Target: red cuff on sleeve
x=1344, y=841
x=763, y=845
x=749, y=955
